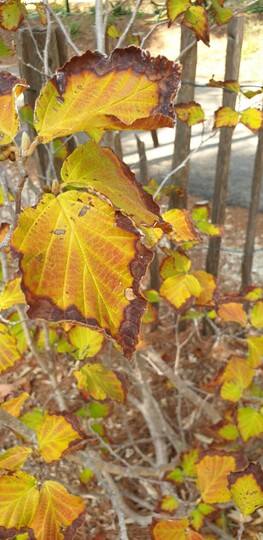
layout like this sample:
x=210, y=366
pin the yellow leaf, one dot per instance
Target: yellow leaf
x=175, y=263
x=196, y=19
x=14, y=405
x=246, y=488
x=255, y=351
x=100, y=383
x=229, y=432
x=113, y=32
x=221, y=14
x=252, y=118
x=212, y=473
x=14, y=458
x=236, y=377
x=208, y=287
x=232, y=312
x=226, y=117
x=183, y=226
x=9, y=354
x=256, y=315
x=170, y=530
x=250, y=422
x=11, y=14
x=18, y=499
x=93, y=93
x=12, y=294
x=169, y=503
x=57, y=510
x=87, y=267
x=96, y=167
x=191, y=113
x=87, y=342
x=176, y=8
x=10, y=88
x=180, y=289
x=189, y=463
x=56, y=434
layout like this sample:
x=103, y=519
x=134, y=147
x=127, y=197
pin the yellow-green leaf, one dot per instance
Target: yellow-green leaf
x=9, y=355
x=12, y=294
x=87, y=342
x=176, y=263
x=175, y=476
x=250, y=422
x=229, y=432
x=190, y=113
x=175, y=8
x=212, y=473
x=18, y=500
x=92, y=93
x=14, y=458
x=237, y=376
x=252, y=118
x=86, y=475
x=96, y=167
x=169, y=503
x=195, y=18
x=226, y=117
x=56, y=434
x=221, y=14
x=100, y=383
x=255, y=350
x=256, y=315
x=246, y=488
x=87, y=266
x=183, y=226
x=10, y=88
x=189, y=463
x=180, y=289
x=113, y=32
x=5, y=50
x=11, y=14
x=57, y=511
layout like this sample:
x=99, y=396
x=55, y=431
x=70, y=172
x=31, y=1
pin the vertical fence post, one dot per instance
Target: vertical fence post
x=182, y=141
x=233, y=56
x=252, y=215
x=31, y=68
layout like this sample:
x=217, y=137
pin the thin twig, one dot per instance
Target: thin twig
x=130, y=23
x=77, y=51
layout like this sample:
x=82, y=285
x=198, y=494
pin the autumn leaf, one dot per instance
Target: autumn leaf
x=14, y=458
x=180, y=289
x=229, y=85
x=232, y=312
x=183, y=226
x=208, y=287
x=246, y=488
x=18, y=500
x=199, y=513
x=252, y=118
x=66, y=277
x=191, y=113
x=175, y=476
x=176, y=8
x=256, y=315
x=212, y=473
x=169, y=530
x=229, y=432
x=57, y=510
x=255, y=350
x=189, y=460
x=250, y=422
x=96, y=167
x=195, y=18
x=10, y=88
x=236, y=377
x=14, y=405
x=12, y=294
x=9, y=354
x=93, y=93
x=100, y=383
x=57, y=433
x=200, y=213
x=169, y=503
x=87, y=342
x=226, y=117
x=5, y=50
x=11, y=14
x=221, y=14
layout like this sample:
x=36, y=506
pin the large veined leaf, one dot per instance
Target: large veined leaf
x=93, y=166
x=56, y=512
x=56, y=434
x=100, y=383
x=10, y=88
x=87, y=266
x=212, y=473
x=18, y=500
x=14, y=458
x=9, y=355
x=246, y=488
x=92, y=93
x=11, y=14
x=232, y=312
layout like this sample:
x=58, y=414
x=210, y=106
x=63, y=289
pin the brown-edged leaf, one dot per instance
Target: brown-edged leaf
x=196, y=19
x=10, y=88
x=226, y=117
x=12, y=13
x=176, y=8
x=246, y=488
x=221, y=14
x=100, y=383
x=191, y=113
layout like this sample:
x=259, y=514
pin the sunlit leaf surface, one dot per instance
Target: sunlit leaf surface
x=191, y=113
x=226, y=117
x=196, y=19
x=10, y=88
x=87, y=342
x=56, y=434
x=182, y=224
x=176, y=7
x=14, y=405
x=236, y=377
x=232, y=312
x=221, y=14
x=256, y=315
x=18, y=499
x=212, y=473
x=92, y=93
x=246, y=488
x=14, y=458
x=87, y=267
x=93, y=166
x=12, y=294
x=252, y=118
x=100, y=383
